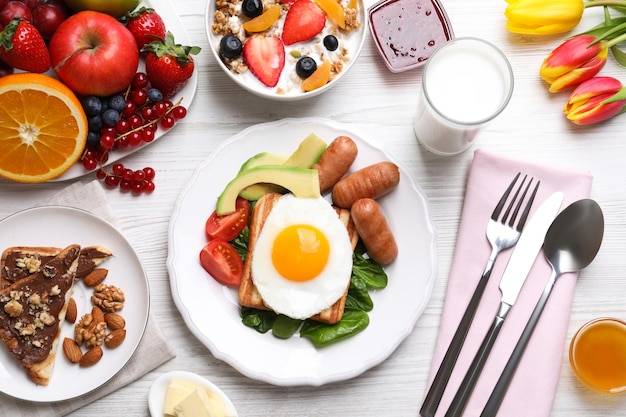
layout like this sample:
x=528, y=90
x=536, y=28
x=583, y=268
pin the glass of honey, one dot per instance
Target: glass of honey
x=598, y=355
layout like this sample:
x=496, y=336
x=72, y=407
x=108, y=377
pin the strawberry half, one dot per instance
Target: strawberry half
x=146, y=25
x=23, y=47
x=304, y=20
x=265, y=57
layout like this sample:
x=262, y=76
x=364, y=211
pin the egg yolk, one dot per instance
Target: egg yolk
x=300, y=252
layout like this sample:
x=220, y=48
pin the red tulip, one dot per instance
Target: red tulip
x=596, y=100
x=574, y=61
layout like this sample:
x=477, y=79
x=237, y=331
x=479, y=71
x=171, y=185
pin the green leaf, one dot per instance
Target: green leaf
x=369, y=271
x=358, y=296
x=352, y=322
x=260, y=320
x=240, y=243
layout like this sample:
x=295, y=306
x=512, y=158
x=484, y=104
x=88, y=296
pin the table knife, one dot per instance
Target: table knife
x=515, y=273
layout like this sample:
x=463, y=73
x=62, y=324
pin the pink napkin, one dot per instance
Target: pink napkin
x=533, y=388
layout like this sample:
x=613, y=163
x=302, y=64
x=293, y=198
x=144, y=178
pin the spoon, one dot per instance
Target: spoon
x=571, y=243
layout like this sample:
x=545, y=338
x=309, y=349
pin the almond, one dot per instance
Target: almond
x=95, y=277
x=115, y=338
x=97, y=314
x=91, y=357
x=72, y=350
x=114, y=321
x=72, y=311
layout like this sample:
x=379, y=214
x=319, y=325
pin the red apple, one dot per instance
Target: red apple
x=94, y=54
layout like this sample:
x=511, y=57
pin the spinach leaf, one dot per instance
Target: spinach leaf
x=284, y=326
x=240, y=243
x=320, y=334
x=358, y=296
x=369, y=271
x=260, y=320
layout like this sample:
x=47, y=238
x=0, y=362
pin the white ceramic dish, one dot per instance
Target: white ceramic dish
x=211, y=311
x=64, y=226
x=167, y=12
x=249, y=82
x=158, y=391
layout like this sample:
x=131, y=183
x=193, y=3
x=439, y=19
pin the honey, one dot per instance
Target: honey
x=598, y=355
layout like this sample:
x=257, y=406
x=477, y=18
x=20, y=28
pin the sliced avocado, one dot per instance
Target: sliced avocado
x=308, y=153
x=263, y=158
x=302, y=182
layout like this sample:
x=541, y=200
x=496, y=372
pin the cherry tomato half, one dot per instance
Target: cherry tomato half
x=222, y=261
x=229, y=226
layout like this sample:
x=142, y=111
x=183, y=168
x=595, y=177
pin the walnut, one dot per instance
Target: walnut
x=47, y=318
x=55, y=290
x=352, y=20
x=108, y=297
x=29, y=264
x=27, y=330
x=49, y=271
x=35, y=301
x=89, y=331
x=13, y=308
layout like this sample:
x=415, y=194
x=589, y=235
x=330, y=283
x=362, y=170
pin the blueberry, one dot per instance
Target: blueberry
x=117, y=102
x=230, y=47
x=95, y=123
x=331, y=43
x=155, y=95
x=252, y=8
x=111, y=117
x=92, y=105
x=93, y=140
x=305, y=67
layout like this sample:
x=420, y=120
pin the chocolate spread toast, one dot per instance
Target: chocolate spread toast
x=32, y=310
x=18, y=262
x=249, y=296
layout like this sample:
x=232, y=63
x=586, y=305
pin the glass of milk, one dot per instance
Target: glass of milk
x=466, y=83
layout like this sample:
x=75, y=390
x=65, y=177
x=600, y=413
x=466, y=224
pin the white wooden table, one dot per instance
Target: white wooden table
x=381, y=103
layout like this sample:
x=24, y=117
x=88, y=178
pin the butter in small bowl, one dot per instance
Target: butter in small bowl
x=598, y=355
x=407, y=32
x=179, y=393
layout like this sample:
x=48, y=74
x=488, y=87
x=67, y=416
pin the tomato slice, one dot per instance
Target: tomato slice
x=222, y=261
x=229, y=226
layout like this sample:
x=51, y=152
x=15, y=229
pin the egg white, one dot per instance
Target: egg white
x=301, y=300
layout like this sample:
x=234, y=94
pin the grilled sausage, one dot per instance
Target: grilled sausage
x=335, y=162
x=374, y=230
x=372, y=181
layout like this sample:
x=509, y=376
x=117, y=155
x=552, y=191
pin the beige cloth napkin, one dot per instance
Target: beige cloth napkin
x=533, y=387
x=153, y=350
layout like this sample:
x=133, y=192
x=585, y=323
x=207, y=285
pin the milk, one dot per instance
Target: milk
x=465, y=84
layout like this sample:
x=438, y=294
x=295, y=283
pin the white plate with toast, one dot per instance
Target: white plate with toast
x=211, y=310
x=60, y=226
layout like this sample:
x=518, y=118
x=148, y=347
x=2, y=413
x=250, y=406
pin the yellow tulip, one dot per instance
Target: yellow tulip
x=543, y=17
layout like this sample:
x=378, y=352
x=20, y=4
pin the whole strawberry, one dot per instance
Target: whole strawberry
x=146, y=26
x=169, y=65
x=22, y=47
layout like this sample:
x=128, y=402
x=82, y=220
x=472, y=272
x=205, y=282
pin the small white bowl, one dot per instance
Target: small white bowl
x=247, y=80
x=158, y=391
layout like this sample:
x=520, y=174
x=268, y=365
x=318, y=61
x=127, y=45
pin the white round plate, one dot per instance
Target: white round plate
x=285, y=90
x=158, y=391
x=166, y=10
x=211, y=311
x=62, y=226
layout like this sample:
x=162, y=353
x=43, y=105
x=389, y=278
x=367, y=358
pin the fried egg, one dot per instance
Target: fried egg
x=302, y=260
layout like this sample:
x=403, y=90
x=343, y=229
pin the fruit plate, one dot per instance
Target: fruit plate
x=211, y=311
x=169, y=15
x=289, y=84
x=64, y=226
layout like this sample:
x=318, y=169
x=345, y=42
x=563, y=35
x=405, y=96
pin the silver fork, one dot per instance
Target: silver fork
x=502, y=233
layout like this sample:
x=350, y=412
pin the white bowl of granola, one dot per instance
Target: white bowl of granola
x=285, y=49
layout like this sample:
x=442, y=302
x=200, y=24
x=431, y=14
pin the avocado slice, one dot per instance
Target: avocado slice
x=263, y=158
x=302, y=182
x=308, y=153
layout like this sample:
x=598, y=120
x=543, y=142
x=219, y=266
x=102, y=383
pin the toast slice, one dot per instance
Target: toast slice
x=249, y=296
x=32, y=311
x=18, y=262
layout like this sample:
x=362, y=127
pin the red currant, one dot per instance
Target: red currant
x=168, y=122
x=140, y=80
x=148, y=186
x=179, y=112
x=150, y=173
x=139, y=97
x=118, y=169
x=90, y=163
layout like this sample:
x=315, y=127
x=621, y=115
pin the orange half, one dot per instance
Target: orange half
x=43, y=128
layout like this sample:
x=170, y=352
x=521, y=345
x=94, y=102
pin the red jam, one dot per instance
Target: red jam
x=407, y=32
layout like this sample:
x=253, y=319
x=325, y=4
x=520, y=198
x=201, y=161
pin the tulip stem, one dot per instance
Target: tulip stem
x=594, y=3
